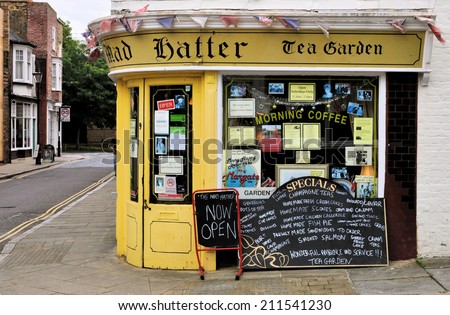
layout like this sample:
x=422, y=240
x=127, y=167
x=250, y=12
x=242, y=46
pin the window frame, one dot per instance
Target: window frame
x=24, y=74
x=57, y=74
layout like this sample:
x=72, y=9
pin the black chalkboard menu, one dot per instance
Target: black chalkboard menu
x=217, y=218
x=313, y=222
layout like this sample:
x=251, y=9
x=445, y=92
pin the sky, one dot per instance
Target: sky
x=79, y=12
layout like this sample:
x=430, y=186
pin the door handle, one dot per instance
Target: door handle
x=146, y=205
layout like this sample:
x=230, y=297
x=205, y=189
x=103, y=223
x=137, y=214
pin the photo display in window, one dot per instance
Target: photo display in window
x=293, y=124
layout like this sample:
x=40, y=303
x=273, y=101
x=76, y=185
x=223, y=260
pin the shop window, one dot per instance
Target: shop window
x=21, y=125
x=134, y=144
x=280, y=128
x=171, y=142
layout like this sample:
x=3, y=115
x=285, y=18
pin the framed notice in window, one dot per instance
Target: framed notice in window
x=241, y=108
x=287, y=172
x=302, y=92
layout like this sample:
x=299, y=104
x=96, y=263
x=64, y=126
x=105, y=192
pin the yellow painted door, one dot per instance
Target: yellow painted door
x=130, y=135
x=169, y=241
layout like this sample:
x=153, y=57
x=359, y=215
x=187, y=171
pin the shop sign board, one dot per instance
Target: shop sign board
x=193, y=48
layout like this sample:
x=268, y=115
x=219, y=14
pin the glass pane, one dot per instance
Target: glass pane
x=134, y=143
x=304, y=122
x=171, y=144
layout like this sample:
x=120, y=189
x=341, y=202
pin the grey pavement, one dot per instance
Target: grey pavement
x=74, y=252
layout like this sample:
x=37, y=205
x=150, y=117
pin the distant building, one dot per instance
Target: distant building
x=32, y=43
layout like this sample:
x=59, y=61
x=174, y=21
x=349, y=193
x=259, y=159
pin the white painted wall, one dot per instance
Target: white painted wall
x=433, y=176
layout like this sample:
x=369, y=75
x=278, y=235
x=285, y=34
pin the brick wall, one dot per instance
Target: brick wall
x=14, y=17
x=401, y=164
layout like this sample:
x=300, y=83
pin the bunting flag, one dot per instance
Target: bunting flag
x=142, y=10
x=167, y=22
x=424, y=19
x=324, y=28
x=94, y=55
x=86, y=34
x=397, y=24
x=437, y=32
x=265, y=19
x=105, y=26
x=91, y=42
x=229, y=20
x=200, y=20
x=289, y=23
x=124, y=21
x=134, y=24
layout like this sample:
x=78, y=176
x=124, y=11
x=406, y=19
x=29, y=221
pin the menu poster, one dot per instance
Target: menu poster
x=363, y=131
x=162, y=122
x=311, y=136
x=313, y=222
x=242, y=168
x=301, y=136
x=171, y=165
x=241, y=135
x=292, y=136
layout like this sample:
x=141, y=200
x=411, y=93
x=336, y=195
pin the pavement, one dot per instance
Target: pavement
x=73, y=252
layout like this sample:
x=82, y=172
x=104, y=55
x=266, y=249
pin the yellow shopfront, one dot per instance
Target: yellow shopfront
x=191, y=102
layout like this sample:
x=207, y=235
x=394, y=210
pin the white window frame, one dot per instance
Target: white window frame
x=27, y=117
x=56, y=74
x=22, y=67
x=54, y=38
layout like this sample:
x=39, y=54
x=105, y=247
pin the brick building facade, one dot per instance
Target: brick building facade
x=33, y=43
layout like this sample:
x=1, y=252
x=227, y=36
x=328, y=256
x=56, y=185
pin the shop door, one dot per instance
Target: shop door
x=168, y=180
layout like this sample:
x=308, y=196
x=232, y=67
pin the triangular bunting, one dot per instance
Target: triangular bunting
x=124, y=21
x=398, y=24
x=167, y=22
x=265, y=19
x=424, y=19
x=289, y=23
x=94, y=55
x=142, y=10
x=86, y=34
x=229, y=20
x=134, y=24
x=200, y=20
x=105, y=26
x=92, y=42
x=437, y=32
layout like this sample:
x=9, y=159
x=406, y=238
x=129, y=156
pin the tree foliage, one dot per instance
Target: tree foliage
x=86, y=86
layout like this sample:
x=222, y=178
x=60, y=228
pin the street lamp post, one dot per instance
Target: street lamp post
x=38, y=78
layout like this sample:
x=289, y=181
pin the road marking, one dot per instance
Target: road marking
x=53, y=209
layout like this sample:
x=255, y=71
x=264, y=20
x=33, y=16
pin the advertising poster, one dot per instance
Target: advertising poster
x=242, y=168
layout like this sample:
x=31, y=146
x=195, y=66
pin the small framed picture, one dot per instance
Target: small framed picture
x=160, y=186
x=364, y=95
x=339, y=172
x=276, y=88
x=365, y=190
x=238, y=90
x=355, y=109
x=343, y=88
x=180, y=101
x=287, y=172
x=161, y=145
